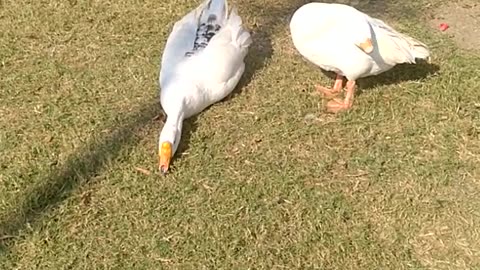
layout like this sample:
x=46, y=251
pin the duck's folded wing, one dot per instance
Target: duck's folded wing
x=180, y=40
x=395, y=47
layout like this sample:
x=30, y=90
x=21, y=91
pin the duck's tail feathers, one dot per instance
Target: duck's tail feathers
x=420, y=51
x=214, y=12
x=241, y=37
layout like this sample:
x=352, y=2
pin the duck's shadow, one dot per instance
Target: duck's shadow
x=398, y=74
x=260, y=51
x=267, y=21
x=190, y=125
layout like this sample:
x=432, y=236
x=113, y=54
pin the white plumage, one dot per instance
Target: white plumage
x=202, y=63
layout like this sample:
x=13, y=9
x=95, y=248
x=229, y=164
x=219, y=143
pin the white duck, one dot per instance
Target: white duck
x=344, y=40
x=202, y=63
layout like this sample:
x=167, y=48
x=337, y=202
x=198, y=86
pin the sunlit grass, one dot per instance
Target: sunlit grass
x=265, y=179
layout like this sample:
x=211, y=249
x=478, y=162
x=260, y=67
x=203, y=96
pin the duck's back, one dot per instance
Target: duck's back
x=320, y=32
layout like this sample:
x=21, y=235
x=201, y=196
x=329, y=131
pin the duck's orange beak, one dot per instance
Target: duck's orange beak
x=165, y=154
x=366, y=46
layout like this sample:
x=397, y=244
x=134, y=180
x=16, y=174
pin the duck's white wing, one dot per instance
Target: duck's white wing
x=397, y=48
x=180, y=41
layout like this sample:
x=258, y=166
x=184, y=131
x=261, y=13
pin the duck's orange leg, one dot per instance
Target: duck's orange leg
x=331, y=93
x=338, y=105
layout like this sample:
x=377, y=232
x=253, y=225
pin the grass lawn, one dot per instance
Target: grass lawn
x=263, y=180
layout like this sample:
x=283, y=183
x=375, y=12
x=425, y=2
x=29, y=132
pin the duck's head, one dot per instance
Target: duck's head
x=167, y=145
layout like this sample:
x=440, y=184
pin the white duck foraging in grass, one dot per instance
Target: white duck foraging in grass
x=344, y=40
x=202, y=63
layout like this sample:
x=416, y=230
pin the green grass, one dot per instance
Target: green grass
x=264, y=180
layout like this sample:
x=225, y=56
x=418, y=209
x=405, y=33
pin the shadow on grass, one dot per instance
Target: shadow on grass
x=189, y=127
x=78, y=170
x=258, y=54
x=398, y=74
x=391, y=9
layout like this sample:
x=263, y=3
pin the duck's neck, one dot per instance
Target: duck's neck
x=175, y=119
x=172, y=129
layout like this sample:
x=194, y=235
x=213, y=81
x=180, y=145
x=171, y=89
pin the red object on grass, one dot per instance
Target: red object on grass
x=443, y=26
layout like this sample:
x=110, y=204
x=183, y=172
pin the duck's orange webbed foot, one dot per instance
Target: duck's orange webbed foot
x=338, y=105
x=335, y=91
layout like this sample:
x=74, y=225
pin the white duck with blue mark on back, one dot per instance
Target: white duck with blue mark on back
x=202, y=63
x=344, y=40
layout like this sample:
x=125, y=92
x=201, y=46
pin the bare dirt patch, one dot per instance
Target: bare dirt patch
x=463, y=19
